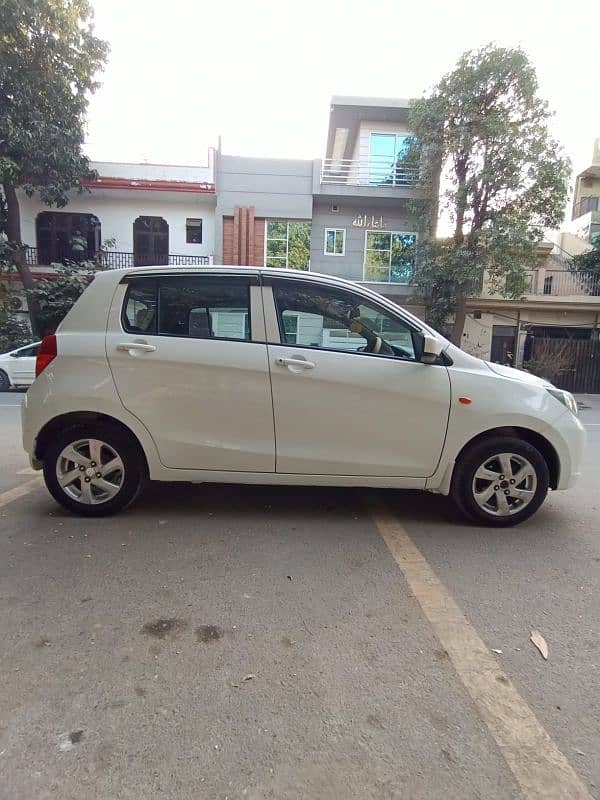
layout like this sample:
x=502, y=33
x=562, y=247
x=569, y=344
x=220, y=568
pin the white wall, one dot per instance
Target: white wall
x=117, y=210
x=158, y=172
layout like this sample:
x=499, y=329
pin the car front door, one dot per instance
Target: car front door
x=188, y=357
x=350, y=395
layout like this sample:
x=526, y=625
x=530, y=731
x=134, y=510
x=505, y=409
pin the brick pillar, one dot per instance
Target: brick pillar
x=235, y=259
x=247, y=240
x=251, y=237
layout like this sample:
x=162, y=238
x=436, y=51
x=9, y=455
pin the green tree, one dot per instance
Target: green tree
x=590, y=260
x=56, y=295
x=299, y=245
x=506, y=178
x=49, y=57
x=14, y=331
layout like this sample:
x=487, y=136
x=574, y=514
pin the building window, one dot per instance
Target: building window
x=388, y=159
x=287, y=244
x=389, y=256
x=62, y=237
x=193, y=231
x=335, y=241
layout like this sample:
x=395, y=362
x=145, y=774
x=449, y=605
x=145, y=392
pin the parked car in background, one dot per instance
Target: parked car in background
x=17, y=368
x=269, y=376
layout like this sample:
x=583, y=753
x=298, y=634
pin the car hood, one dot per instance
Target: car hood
x=517, y=374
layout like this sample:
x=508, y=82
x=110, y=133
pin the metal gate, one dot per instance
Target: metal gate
x=570, y=364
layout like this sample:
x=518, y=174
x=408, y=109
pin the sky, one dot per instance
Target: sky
x=260, y=74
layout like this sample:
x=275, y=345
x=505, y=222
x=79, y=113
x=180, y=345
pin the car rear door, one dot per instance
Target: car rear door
x=189, y=359
x=340, y=410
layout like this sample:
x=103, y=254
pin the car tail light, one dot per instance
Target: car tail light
x=46, y=354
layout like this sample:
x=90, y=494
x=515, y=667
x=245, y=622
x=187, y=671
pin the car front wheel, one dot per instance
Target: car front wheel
x=94, y=470
x=500, y=481
x=4, y=381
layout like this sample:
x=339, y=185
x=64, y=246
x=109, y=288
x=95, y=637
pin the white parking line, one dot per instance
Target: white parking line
x=539, y=767
x=19, y=491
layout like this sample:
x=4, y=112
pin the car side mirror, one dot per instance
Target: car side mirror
x=13, y=355
x=432, y=349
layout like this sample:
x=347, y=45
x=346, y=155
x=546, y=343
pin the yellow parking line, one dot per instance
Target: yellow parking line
x=19, y=491
x=539, y=767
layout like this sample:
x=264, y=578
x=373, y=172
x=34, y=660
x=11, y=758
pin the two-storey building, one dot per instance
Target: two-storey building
x=132, y=215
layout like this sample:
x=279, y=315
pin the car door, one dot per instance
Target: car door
x=340, y=409
x=23, y=366
x=189, y=359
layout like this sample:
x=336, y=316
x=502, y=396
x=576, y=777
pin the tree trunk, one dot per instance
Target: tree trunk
x=460, y=315
x=13, y=232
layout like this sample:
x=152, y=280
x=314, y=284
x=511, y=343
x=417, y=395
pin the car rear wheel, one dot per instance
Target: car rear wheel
x=500, y=481
x=4, y=381
x=94, y=470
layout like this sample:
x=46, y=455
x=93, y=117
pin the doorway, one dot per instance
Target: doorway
x=150, y=241
x=58, y=231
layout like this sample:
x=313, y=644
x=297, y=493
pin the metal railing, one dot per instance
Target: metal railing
x=372, y=172
x=114, y=259
x=585, y=205
x=547, y=283
x=562, y=283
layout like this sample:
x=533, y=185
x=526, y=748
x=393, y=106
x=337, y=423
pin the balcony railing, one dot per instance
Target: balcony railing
x=114, y=259
x=584, y=206
x=372, y=172
x=550, y=283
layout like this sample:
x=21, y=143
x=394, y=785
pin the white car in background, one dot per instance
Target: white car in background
x=252, y=375
x=17, y=368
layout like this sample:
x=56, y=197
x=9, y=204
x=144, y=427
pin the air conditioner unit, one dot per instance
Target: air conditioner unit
x=18, y=303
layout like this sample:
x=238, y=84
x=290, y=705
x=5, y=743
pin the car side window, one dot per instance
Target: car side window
x=196, y=307
x=27, y=352
x=319, y=316
x=139, y=309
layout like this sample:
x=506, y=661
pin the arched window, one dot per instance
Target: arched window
x=150, y=241
x=62, y=236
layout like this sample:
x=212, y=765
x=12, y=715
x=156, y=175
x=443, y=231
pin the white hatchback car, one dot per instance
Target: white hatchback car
x=255, y=375
x=17, y=368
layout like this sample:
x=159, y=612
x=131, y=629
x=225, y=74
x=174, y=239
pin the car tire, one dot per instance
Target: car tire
x=4, y=381
x=94, y=470
x=500, y=481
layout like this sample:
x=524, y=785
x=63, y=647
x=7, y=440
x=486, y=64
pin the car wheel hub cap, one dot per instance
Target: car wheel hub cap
x=504, y=484
x=85, y=483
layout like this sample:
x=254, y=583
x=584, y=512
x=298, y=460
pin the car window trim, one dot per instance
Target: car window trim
x=275, y=280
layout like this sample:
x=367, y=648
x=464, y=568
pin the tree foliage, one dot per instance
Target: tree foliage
x=56, y=295
x=14, y=330
x=504, y=178
x=49, y=58
x=590, y=260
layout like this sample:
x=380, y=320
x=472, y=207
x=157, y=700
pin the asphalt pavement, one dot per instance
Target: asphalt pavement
x=266, y=642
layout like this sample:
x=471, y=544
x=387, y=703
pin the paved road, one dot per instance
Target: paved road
x=244, y=642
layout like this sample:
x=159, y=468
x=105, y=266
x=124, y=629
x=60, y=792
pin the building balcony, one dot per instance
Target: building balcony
x=373, y=178
x=585, y=206
x=113, y=259
x=552, y=285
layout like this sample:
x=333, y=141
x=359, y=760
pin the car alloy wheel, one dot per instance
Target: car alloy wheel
x=90, y=471
x=504, y=484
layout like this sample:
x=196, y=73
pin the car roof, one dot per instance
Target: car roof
x=224, y=268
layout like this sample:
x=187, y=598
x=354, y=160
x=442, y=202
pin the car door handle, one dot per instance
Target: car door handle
x=296, y=362
x=128, y=346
